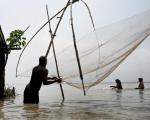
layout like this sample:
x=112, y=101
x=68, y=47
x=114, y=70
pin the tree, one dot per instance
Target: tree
x=16, y=40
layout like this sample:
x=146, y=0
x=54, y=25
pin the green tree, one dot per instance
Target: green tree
x=15, y=39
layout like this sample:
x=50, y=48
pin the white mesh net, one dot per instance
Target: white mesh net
x=100, y=51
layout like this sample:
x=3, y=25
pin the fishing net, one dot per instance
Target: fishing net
x=100, y=52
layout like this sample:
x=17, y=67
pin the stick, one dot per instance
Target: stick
x=54, y=53
x=76, y=51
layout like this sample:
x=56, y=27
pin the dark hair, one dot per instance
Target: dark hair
x=43, y=60
x=118, y=81
x=140, y=79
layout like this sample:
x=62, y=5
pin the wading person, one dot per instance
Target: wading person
x=118, y=84
x=141, y=84
x=39, y=76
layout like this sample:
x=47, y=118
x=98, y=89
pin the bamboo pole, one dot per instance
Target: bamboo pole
x=68, y=3
x=51, y=34
x=76, y=51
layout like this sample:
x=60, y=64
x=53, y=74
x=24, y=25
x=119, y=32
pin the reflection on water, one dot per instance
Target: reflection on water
x=141, y=95
x=1, y=112
x=118, y=95
x=99, y=104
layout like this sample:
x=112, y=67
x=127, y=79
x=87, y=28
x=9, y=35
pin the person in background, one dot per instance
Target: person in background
x=39, y=76
x=118, y=84
x=141, y=84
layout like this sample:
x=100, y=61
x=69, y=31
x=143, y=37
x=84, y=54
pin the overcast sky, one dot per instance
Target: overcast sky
x=18, y=14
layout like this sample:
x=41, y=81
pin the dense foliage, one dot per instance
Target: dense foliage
x=15, y=39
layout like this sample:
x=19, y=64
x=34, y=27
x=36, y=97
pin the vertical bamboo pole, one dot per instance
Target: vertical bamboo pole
x=50, y=31
x=76, y=50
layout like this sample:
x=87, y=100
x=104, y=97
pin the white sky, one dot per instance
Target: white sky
x=18, y=14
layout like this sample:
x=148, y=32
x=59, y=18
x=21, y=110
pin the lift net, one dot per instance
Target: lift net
x=100, y=51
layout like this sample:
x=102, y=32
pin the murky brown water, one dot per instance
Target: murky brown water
x=99, y=104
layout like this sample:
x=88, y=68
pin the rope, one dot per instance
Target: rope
x=99, y=44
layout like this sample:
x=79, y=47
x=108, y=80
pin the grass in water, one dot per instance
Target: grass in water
x=9, y=92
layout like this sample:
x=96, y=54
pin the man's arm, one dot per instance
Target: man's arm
x=49, y=80
x=113, y=87
x=53, y=80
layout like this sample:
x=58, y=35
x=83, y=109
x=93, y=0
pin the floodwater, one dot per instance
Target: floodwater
x=100, y=103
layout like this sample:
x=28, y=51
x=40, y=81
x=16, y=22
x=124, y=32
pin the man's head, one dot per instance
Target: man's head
x=43, y=61
x=140, y=79
x=117, y=81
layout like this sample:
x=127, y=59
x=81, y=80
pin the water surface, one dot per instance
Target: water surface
x=100, y=103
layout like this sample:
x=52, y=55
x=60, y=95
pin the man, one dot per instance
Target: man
x=39, y=76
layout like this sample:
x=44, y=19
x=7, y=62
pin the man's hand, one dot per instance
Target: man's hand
x=53, y=78
x=59, y=80
x=56, y=79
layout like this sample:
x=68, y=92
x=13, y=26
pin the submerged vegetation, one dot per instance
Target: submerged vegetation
x=9, y=92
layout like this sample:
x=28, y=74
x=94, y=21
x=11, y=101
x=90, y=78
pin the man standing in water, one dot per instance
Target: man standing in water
x=39, y=76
